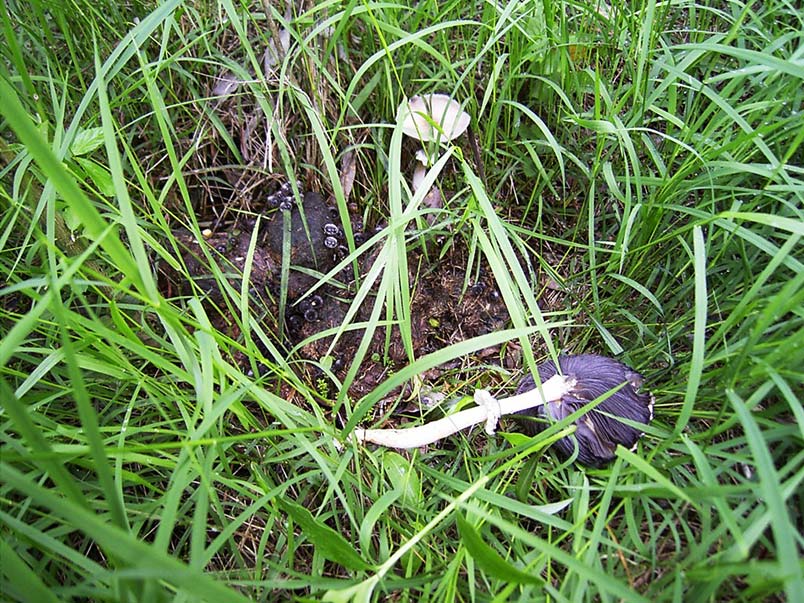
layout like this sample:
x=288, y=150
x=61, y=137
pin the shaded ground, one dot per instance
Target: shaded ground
x=446, y=305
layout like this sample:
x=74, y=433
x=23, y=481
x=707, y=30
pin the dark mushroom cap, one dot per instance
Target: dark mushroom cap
x=598, y=433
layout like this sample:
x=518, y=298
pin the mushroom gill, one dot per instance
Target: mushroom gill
x=598, y=431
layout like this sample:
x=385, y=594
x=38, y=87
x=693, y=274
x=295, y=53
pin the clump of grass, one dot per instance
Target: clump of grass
x=636, y=191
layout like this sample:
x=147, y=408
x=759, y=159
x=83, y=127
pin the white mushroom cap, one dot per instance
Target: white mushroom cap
x=432, y=117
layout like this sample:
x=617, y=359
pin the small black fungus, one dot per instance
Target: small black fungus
x=478, y=288
x=294, y=322
x=283, y=194
x=311, y=315
x=304, y=305
x=286, y=205
x=331, y=230
x=330, y=242
x=598, y=431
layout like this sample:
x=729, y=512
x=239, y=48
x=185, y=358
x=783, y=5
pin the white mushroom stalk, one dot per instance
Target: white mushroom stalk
x=488, y=409
x=431, y=118
x=423, y=162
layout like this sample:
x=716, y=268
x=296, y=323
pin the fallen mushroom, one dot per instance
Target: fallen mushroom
x=431, y=118
x=586, y=378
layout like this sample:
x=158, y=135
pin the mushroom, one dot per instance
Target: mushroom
x=586, y=378
x=431, y=118
x=599, y=430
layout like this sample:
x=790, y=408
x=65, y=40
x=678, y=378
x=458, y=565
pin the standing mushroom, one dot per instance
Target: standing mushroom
x=431, y=118
x=585, y=378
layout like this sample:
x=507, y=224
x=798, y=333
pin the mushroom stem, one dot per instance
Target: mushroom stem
x=423, y=161
x=418, y=176
x=489, y=409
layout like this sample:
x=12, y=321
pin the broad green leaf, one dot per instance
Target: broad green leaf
x=86, y=141
x=403, y=475
x=488, y=559
x=329, y=543
x=373, y=515
x=99, y=175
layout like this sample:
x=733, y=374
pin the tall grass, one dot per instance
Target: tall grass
x=635, y=187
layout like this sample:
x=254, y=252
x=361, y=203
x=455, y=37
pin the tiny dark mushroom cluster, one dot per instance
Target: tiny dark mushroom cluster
x=318, y=240
x=282, y=198
x=305, y=311
x=308, y=222
x=598, y=431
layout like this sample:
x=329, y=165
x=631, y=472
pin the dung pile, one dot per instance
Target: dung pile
x=446, y=307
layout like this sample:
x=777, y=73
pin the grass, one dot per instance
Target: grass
x=644, y=160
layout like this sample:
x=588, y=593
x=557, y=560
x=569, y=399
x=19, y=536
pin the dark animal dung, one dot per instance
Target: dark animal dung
x=598, y=431
x=446, y=304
